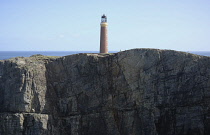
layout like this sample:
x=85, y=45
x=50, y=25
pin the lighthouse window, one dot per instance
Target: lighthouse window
x=103, y=19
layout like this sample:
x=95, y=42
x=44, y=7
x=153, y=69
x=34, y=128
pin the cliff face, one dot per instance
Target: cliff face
x=136, y=92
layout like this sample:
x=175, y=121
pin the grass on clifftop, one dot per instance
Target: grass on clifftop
x=39, y=56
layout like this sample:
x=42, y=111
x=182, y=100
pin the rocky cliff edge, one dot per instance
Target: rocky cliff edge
x=135, y=92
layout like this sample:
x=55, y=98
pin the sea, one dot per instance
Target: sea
x=10, y=54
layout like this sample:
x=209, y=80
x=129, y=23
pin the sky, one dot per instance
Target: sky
x=74, y=25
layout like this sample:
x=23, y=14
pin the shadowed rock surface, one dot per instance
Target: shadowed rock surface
x=135, y=92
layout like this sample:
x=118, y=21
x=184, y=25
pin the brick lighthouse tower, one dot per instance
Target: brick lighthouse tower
x=104, y=35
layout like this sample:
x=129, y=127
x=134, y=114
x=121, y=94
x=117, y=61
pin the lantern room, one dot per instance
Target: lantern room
x=103, y=18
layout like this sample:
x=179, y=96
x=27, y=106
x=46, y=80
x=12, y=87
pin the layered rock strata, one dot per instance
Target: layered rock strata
x=135, y=92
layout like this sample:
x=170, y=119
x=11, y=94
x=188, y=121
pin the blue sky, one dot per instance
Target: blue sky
x=74, y=25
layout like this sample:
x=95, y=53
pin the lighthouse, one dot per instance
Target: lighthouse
x=104, y=35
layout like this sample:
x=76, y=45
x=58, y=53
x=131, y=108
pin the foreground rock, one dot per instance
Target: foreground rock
x=139, y=92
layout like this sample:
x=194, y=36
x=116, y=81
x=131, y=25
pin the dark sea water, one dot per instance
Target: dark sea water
x=204, y=53
x=11, y=54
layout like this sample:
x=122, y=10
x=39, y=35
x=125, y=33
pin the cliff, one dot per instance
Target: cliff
x=135, y=92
